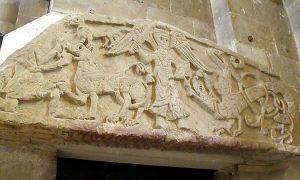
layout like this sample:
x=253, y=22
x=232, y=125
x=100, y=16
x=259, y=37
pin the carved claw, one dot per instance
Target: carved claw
x=131, y=122
x=237, y=133
x=113, y=118
x=221, y=130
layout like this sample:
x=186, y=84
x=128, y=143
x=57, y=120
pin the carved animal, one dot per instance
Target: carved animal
x=91, y=82
x=215, y=91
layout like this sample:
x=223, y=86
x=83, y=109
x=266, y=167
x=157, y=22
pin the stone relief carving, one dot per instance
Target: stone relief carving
x=160, y=59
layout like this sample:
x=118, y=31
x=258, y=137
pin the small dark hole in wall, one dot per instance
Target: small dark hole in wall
x=250, y=38
x=92, y=11
x=73, y=169
x=287, y=50
x=1, y=39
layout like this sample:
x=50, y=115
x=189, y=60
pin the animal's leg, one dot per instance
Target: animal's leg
x=79, y=99
x=227, y=128
x=160, y=122
x=124, y=108
x=94, y=104
x=136, y=119
x=239, y=126
x=54, y=102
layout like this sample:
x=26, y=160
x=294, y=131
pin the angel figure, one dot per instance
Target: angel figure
x=166, y=96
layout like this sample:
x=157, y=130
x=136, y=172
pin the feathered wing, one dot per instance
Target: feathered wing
x=130, y=42
x=186, y=53
x=216, y=62
x=182, y=47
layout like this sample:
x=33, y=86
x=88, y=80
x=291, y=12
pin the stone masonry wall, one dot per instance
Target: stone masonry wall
x=8, y=15
x=292, y=8
x=30, y=10
x=259, y=30
x=193, y=16
x=16, y=13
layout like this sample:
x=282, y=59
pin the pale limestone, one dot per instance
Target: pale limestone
x=137, y=88
x=94, y=84
x=23, y=163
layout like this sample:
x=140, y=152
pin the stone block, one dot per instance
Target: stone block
x=6, y=27
x=285, y=44
x=33, y=8
x=294, y=14
x=22, y=20
x=204, y=30
x=119, y=112
x=27, y=164
x=268, y=12
x=297, y=38
x=256, y=55
x=261, y=34
x=118, y=8
x=288, y=3
x=183, y=23
x=219, y=9
x=288, y=69
x=224, y=32
x=200, y=10
x=163, y=4
x=8, y=11
x=241, y=7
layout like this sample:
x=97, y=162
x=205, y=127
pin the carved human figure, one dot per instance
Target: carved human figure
x=52, y=78
x=166, y=96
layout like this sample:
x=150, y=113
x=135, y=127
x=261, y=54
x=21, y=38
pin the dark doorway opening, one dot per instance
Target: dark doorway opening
x=73, y=169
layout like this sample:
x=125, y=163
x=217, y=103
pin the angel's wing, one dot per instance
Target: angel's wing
x=216, y=61
x=182, y=47
x=130, y=42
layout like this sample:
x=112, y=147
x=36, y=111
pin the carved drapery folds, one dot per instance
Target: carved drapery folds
x=121, y=72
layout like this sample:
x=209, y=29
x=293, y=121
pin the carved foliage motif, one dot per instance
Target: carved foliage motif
x=227, y=86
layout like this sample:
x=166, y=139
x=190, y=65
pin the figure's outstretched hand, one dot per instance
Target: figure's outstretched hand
x=35, y=69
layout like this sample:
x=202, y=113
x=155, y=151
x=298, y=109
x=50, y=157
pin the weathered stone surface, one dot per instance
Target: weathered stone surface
x=105, y=82
x=199, y=10
x=185, y=24
x=242, y=7
x=24, y=163
x=22, y=20
x=6, y=27
x=163, y=4
x=203, y=30
x=8, y=11
x=127, y=9
x=225, y=33
x=33, y=8
x=294, y=12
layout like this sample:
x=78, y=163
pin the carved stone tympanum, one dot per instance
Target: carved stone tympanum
x=115, y=77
